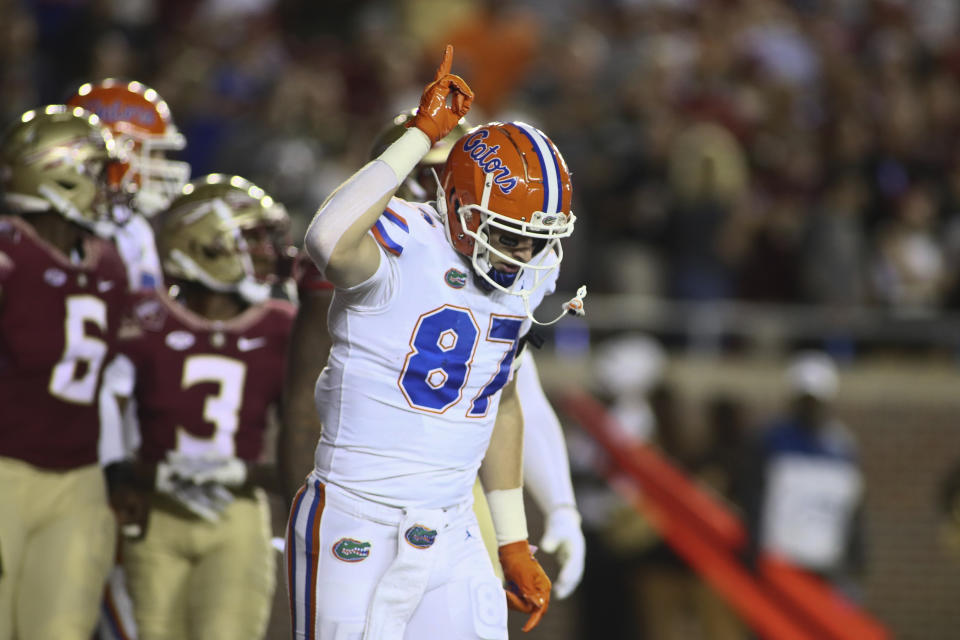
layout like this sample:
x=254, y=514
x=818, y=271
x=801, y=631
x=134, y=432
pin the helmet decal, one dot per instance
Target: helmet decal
x=485, y=157
x=549, y=169
x=115, y=110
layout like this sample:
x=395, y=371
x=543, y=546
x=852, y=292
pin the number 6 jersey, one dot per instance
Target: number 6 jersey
x=409, y=395
x=58, y=325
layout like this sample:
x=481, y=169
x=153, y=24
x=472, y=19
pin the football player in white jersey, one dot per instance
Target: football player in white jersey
x=546, y=468
x=143, y=127
x=418, y=392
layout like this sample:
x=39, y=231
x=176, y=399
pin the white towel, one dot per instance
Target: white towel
x=403, y=584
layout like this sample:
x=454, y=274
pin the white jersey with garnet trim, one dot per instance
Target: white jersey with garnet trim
x=420, y=352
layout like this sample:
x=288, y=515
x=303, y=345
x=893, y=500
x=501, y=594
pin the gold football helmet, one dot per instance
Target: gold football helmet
x=57, y=157
x=200, y=237
x=420, y=183
x=265, y=225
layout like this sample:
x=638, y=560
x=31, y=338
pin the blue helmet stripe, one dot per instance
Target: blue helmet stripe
x=550, y=170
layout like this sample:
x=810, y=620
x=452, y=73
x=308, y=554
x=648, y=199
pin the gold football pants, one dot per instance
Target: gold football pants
x=57, y=537
x=193, y=579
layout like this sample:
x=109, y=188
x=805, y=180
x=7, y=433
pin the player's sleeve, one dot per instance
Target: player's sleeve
x=546, y=468
x=392, y=234
x=391, y=231
x=119, y=377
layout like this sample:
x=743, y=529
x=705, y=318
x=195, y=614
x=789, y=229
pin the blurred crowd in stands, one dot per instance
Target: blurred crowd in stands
x=796, y=151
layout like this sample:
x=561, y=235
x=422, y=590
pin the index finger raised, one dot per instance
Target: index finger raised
x=446, y=63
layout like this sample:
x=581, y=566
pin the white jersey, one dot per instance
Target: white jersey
x=138, y=248
x=420, y=352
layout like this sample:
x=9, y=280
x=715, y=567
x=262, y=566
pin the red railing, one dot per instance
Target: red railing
x=778, y=601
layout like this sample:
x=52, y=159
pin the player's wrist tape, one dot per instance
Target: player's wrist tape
x=509, y=518
x=406, y=153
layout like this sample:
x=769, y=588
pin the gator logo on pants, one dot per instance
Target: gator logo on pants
x=350, y=550
x=420, y=537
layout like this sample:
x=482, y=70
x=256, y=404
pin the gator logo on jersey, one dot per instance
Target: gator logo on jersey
x=486, y=158
x=420, y=537
x=350, y=550
x=455, y=278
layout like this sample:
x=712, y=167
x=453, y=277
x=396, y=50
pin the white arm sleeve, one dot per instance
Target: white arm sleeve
x=344, y=206
x=118, y=380
x=546, y=469
x=354, y=197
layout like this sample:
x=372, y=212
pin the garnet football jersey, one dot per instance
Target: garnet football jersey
x=58, y=325
x=204, y=387
x=308, y=278
x=420, y=352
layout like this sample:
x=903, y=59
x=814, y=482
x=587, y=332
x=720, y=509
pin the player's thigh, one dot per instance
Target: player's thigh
x=469, y=604
x=158, y=568
x=66, y=560
x=14, y=517
x=231, y=588
x=334, y=561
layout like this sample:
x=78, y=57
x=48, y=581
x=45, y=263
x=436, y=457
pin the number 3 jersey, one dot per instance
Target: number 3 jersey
x=420, y=351
x=58, y=325
x=204, y=387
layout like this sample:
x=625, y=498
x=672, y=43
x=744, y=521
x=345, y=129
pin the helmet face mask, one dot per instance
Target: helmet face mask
x=59, y=158
x=506, y=179
x=141, y=122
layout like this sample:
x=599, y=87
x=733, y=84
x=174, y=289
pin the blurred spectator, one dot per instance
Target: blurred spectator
x=722, y=455
x=909, y=271
x=835, y=250
x=628, y=368
x=708, y=177
x=802, y=487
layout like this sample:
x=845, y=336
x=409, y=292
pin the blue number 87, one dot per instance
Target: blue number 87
x=442, y=349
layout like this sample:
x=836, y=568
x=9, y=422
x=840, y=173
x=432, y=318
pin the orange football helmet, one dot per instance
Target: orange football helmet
x=141, y=123
x=506, y=176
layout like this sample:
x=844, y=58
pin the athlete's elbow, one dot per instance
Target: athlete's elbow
x=317, y=242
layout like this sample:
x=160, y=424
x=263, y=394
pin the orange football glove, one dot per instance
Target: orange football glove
x=528, y=587
x=433, y=116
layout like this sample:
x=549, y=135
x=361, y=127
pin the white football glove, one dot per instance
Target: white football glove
x=206, y=501
x=222, y=470
x=181, y=478
x=562, y=535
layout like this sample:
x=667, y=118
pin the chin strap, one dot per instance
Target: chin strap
x=573, y=306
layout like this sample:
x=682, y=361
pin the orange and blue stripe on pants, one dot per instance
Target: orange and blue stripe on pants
x=303, y=556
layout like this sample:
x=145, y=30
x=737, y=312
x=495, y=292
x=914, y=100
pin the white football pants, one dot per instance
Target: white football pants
x=359, y=570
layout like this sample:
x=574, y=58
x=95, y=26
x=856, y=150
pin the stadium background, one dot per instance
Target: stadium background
x=751, y=177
